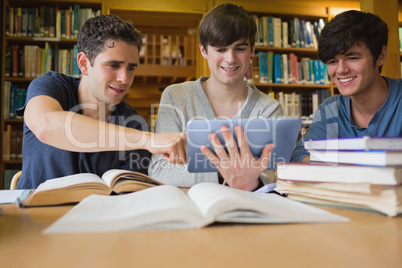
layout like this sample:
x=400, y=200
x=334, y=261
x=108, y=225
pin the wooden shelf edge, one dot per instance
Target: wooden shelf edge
x=287, y=49
x=306, y=86
x=165, y=71
x=13, y=121
x=12, y=161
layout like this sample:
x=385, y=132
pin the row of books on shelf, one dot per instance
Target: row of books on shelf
x=46, y=21
x=31, y=61
x=270, y=67
x=300, y=105
x=14, y=97
x=280, y=32
x=361, y=173
x=12, y=144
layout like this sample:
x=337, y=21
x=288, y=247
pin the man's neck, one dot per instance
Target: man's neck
x=364, y=106
x=90, y=106
x=226, y=101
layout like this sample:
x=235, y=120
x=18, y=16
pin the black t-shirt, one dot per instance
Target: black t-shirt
x=42, y=162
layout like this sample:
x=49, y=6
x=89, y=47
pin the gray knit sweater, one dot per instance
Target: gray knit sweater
x=187, y=101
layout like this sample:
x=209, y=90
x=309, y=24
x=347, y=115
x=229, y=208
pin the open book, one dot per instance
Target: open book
x=168, y=207
x=74, y=188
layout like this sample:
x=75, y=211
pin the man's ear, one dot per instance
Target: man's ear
x=204, y=52
x=382, y=58
x=83, y=63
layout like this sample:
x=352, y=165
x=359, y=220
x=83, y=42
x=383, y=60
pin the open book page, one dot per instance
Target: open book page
x=157, y=208
x=67, y=189
x=69, y=181
x=122, y=178
x=10, y=196
x=226, y=204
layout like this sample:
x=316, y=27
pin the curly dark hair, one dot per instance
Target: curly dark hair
x=349, y=28
x=99, y=30
x=225, y=24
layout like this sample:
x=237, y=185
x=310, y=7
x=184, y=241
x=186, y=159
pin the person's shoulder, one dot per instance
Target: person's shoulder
x=56, y=78
x=56, y=75
x=261, y=96
x=183, y=91
x=181, y=88
x=334, y=98
x=395, y=85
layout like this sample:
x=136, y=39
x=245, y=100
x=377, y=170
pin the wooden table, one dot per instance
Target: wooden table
x=368, y=240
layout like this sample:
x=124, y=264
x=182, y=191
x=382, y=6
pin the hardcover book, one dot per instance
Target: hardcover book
x=74, y=188
x=167, y=207
x=356, y=143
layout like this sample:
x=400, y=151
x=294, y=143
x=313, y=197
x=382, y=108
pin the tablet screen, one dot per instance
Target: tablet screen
x=283, y=132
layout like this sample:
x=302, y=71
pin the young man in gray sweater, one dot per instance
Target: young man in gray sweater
x=227, y=35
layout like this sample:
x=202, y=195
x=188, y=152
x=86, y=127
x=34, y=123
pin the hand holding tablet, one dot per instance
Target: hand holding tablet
x=282, y=132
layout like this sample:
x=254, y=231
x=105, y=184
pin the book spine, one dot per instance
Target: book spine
x=11, y=21
x=277, y=68
x=52, y=22
x=14, y=60
x=270, y=68
x=262, y=56
x=30, y=22
x=6, y=99
x=12, y=100
x=7, y=69
x=76, y=20
x=285, y=34
x=270, y=31
x=256, y=67
x=24, y=22
x=21, y=62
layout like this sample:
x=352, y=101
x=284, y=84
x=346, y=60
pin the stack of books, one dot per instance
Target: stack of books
x=361, y=173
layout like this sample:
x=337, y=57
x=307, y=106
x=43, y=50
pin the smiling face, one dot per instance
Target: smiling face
x=354, y=72
x=112, y=73
x=229, y=64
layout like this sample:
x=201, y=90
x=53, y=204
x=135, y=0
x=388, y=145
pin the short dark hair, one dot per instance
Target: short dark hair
x=349, y=28
x=225, y=24
x=98, y=30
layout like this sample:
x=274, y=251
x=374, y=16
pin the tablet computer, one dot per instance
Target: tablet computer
x=282, y=132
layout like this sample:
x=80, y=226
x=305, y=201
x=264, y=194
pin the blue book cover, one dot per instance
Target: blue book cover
x=262, y=56
x=277, y=68
x=317, y=73
x=270, y=31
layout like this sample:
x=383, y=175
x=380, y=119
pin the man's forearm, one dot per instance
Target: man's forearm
x=75, y=132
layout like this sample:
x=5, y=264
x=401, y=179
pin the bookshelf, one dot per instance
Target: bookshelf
x=286, y=64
